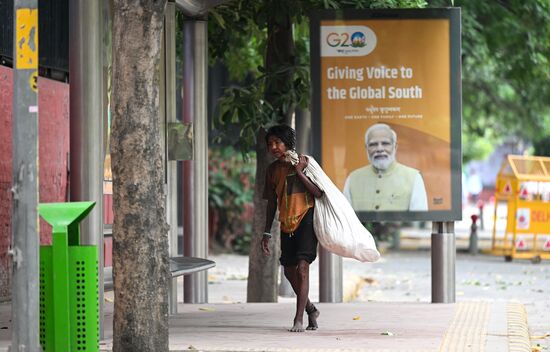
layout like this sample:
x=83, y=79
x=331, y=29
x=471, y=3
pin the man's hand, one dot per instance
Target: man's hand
x=310, y=186
x=302, y=163
x=265, y=245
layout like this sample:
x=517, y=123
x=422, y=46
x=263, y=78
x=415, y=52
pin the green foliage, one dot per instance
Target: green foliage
x=505, y=69
x=478, y=148
x=505, y=72
x=235, y=40
x=239, y=33
x=245, y=107
x=368, y=4
x=241, y=245
x=230, y=197
x=542, y=147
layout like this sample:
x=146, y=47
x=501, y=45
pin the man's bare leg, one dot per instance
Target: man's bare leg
x=312, y=315
x=302, y=280
x=312, y=311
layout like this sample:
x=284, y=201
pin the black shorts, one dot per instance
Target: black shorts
x=300, y=245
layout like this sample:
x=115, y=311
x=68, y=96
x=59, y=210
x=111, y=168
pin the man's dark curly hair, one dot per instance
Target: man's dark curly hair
x=285, y=133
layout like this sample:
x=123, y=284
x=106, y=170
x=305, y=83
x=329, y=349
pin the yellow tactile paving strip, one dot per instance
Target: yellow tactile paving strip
x=518, y=330
x=468, y=329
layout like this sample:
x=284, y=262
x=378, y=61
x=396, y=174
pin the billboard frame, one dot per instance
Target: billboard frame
x=452, y=14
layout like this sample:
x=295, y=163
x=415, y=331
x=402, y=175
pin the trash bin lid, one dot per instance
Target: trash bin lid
x=64, y=214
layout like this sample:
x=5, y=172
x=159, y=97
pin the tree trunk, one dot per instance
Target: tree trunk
x=280, y=52
x=262, y=270
x=140, y=240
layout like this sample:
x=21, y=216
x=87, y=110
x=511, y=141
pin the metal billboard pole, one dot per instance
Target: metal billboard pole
x=330, y=265
x=24, y=252
x=330, y=277
x=443, y=262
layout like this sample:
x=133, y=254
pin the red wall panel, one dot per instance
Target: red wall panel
x=5, y=179
x=53, y=118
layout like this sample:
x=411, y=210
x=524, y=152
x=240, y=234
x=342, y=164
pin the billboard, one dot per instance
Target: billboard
x=387, y=110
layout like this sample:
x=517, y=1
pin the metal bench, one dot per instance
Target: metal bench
x=178, y=266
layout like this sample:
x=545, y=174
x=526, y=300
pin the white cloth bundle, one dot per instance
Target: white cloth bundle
x=335, y=223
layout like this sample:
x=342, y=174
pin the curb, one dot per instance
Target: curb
x=518, y=329
x=420, y=243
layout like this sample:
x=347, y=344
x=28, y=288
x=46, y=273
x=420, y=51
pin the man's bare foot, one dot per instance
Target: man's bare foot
x=298, y=327
x=312, y=315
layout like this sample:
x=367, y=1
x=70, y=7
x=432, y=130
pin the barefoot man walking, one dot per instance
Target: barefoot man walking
x=294, y=194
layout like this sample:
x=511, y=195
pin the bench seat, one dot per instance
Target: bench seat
x=178, y=266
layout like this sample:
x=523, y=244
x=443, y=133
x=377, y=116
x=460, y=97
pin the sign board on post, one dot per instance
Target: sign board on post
x=531, y=217
x=395, y=74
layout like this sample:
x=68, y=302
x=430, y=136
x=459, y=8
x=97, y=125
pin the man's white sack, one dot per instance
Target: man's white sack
x=336, y=225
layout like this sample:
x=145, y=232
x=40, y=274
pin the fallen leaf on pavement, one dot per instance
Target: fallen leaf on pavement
x=369, y=280
x=356, y=318
x=207, y=309
x=387, y=333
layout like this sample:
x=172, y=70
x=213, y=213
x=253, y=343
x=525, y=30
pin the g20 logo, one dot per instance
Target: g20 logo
x=344, y=40
x=347, y=40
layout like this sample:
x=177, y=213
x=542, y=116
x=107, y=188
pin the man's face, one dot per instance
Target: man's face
x=381, y=149
x=276, y=147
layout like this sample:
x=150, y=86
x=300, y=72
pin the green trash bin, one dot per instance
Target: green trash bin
x=69, y=305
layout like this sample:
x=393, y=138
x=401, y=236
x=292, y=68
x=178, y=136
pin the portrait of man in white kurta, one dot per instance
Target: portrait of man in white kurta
x=385, y=184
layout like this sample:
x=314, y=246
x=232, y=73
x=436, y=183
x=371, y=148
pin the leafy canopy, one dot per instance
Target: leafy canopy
x=238, y=32
x=505, y=68
x=505, y=72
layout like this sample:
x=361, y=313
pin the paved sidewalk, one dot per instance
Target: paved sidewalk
x=368, y=327
x=228, y=324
